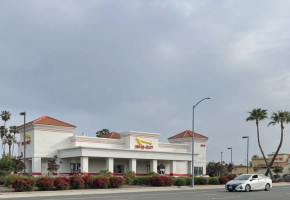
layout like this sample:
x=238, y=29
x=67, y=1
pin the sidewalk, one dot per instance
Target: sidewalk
x=124, y=189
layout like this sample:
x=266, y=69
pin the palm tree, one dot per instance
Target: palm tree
x=5, y=115
x=257, y=115
x=13, y=129
x=10, y=139
x=280, y=117
x=3, y=132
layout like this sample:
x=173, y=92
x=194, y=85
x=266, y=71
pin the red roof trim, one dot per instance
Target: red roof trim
x=186, y=134
x=46, y=120
x=112, y=135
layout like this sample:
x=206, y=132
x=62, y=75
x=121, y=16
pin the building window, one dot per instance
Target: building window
x=75, y=167
x=119, y=169
x=198, y=171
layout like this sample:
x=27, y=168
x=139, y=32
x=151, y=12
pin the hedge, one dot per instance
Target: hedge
x=142, y=180
x=158, y=180
x=180, y=181
x=22, y=184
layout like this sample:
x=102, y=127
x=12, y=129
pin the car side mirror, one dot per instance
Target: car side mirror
x=251, y=179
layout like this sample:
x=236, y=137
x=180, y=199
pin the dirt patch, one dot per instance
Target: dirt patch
x=5, y=189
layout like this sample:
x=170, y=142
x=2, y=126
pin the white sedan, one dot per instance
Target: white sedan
x=248, y=182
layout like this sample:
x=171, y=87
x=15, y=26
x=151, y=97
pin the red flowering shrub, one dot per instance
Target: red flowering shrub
x=288, y=180
x=223, y=179
x=45, y=183
x=231, y=176
x=88, y=181
x=275, y=180
x=116, y=182
x=61, y=183
x=161, y=181
x=77, y=182
x=101, y=182
x=22, y=184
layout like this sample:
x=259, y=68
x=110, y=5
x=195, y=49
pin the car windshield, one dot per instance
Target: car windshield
x=243, y=177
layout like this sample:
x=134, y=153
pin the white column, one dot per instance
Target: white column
x=110, y=164
x=153, y=166
x=189, y=166
x=84, y=165
x=36, y=166
x=133, y=165
x=172, y=168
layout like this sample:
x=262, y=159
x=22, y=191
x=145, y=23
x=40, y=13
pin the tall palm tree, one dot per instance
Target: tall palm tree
x=5, y=115
x=257, y=115
x=13, y=129
x=3, y=132
x=280, y=117
x=10, y=139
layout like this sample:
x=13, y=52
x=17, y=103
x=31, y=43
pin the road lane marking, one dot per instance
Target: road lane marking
x=227, y=197
x=157, y=194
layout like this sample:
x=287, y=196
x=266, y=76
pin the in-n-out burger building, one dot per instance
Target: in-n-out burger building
x=140, y=152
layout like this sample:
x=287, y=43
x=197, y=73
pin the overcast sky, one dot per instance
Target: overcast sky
x=142, y=65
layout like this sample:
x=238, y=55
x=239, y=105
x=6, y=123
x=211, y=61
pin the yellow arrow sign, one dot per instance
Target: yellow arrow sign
x=27, y=136
x=140, y=141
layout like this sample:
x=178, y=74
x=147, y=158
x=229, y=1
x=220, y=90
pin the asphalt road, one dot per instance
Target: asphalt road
x=281, y=193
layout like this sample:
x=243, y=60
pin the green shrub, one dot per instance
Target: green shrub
x=200, y=180
x=188, y=180
x=9, y=179
x=213, y=181
x=61, y=183
x=141, y=180
x=179, y=181
x=116, y=182
x=105, y=173
x=45, y=183
x=22, y=184
x=151, y=174
x=129, y=177
x=77, y=182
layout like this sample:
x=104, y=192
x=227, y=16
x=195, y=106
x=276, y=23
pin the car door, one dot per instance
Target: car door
x=255, y=183
x=262, y=182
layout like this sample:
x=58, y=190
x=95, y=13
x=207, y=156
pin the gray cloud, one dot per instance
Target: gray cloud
x=141, y=65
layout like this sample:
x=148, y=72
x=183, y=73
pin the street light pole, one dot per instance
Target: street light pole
x=231, y=158
x=24, y=139
x=192, y=141
x=247, y=137
x=231, y=153
x=221, y=157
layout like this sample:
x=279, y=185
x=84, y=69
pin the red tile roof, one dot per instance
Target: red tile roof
x=46, y=120
x=188, y=133
x=112, y=135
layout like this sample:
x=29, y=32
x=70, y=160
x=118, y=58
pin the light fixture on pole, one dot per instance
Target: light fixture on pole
x=192, y=141
x=247, y=137
x=24, y=140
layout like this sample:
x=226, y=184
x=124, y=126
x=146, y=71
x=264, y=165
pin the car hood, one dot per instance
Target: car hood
x=236, y=182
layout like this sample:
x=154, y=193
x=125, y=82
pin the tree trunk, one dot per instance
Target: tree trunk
x=277, y=151
x=258, y=136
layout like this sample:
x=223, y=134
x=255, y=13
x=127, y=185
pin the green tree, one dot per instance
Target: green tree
x=102, y=132
x=6, y=164
x=3, y=132
x=5, y=115
x=277, y=170
x=14, y=131
x=257, y=115
x=280, y=117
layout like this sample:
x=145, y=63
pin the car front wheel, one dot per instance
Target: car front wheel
x=267, y=187
x=248, y=188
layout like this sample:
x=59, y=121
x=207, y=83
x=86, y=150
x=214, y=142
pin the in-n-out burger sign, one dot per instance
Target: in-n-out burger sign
x=140, y=144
